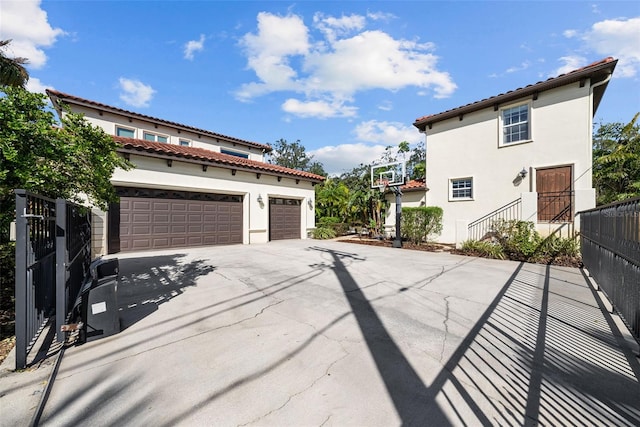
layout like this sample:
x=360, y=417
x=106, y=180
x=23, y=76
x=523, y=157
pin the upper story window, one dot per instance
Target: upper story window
x=127, y=133
x=234, y=153
x=148, y=136
x=461, y=189
x=516, y=124
x=185, y=143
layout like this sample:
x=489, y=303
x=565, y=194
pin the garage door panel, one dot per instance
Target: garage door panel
x=178, y=228
x=194, y=228
x=166, y=223
x=141, y=205
x=161, y=206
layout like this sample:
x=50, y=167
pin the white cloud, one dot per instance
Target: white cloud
x=387, y=133
x=619, y=38
x=26, y=24
x=268, y=53
x=373, y=136
x=320, y=109
x=385, y=106
x=346, y=60
x=570, y=63
x=193, y=46
x=521, y=67
x=337, y=159
x=333, y=27
x=570, y=33
x=135, y=92
x=36, y=86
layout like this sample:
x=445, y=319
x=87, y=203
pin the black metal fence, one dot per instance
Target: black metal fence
x=610, y=237
x=53, y=252
x=482, y=227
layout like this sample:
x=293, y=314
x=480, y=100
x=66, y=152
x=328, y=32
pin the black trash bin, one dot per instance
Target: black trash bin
x=99, y=301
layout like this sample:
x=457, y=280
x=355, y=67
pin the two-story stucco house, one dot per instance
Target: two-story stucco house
x=524, y=154
x=192, y=187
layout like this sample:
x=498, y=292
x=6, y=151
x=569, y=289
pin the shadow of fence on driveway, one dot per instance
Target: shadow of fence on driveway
x=542, y=353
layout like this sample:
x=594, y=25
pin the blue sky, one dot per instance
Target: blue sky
x=346, y=78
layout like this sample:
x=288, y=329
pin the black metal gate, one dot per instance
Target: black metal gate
x=53, y=252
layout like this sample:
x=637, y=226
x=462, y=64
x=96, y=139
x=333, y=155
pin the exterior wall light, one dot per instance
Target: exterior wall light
x=310, y=202
x=523, y=173
x=260, y=198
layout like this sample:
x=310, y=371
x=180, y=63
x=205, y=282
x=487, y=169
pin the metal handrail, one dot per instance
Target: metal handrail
x=478, y=229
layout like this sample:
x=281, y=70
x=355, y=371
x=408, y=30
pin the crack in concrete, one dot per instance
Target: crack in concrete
x=309, y=387
x=326, y=421
x=222, y=275
x=437, y=275
x=446, y=327
x=432, y=278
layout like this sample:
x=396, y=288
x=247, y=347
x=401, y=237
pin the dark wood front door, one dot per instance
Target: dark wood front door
x=555, y=193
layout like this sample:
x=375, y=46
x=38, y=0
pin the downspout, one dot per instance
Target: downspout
x=605, y=81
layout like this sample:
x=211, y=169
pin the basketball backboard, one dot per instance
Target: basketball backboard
x=388, y=174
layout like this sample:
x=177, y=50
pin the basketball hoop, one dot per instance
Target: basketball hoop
x=384, y=184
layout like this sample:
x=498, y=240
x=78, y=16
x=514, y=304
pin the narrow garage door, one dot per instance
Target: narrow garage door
x=155, y=219
x=284, y=219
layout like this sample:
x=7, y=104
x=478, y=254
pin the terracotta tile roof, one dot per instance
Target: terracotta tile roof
x=602, y=67
x=71, y=99
x=415, y=185
x=204, y=156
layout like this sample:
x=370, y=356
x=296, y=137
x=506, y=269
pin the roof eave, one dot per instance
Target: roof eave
x=601, y=70
x=141, y=151
x=103, y=107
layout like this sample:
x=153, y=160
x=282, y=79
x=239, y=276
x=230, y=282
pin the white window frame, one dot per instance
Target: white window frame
x=229, y=152
x=453, y=198
x=186, y=141
x=501, y=125
x=156, y=135
x=125, y=128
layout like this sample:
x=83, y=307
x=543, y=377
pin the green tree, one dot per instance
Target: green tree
x=416, y=165
x=616, y=161
x=71, y=161
x=12, y=70
x=332, y=198
x=293, y=155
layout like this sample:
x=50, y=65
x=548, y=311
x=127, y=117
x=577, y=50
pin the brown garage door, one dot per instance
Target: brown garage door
x=155, y=219
x=284, y=219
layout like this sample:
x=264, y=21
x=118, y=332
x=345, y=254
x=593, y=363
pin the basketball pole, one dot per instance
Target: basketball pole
x=397, y=242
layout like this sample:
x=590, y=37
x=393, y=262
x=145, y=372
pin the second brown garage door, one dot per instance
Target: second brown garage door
x=177, y=219
x=284, y=219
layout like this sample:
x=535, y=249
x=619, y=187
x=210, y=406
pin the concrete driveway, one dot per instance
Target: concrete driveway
x=314, y=333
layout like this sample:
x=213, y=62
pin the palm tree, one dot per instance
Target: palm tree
x=12, y=70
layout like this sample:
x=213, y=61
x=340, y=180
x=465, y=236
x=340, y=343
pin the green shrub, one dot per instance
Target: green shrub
x=7, y=288
x=328, y=220
x=340, y=228
x=520, y=241
x=323, y=233
x=483, y=248
x=421, y=224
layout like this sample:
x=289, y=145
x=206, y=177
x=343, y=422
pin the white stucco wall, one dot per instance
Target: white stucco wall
x=561, y=123
x=109, y=121
x=155, y=173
